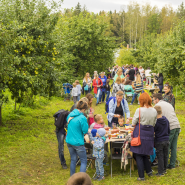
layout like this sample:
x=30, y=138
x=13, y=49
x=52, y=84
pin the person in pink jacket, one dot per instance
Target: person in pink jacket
x=99, y=123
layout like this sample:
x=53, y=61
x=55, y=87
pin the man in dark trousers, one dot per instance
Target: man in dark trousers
x=131, y=73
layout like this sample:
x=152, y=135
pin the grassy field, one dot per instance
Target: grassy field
x=29, y=153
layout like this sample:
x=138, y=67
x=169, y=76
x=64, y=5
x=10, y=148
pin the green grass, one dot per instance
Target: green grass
x=29, y=153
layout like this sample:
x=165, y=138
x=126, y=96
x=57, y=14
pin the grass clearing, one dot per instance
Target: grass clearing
x=29, y=150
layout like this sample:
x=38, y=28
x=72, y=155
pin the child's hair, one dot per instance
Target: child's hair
x=107, y=82
x=74, y=84
x=82, y=104
x=121, y=117
x=77, y=81
x=80, y=178
x=97, y=117
x=158, y=109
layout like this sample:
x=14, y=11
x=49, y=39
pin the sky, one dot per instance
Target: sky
x=97, y=5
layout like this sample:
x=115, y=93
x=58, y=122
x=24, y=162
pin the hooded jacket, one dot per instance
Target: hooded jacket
x=162, y=129
x=77, y=127
x=98, y=146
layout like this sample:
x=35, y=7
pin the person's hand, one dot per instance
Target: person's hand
x=89, y=130
x=130, y=118
x=92, y=142
x=127, y=122
x=118, y=115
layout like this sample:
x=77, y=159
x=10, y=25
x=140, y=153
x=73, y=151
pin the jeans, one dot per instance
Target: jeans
x=102, y=96
x=97, y=96
x=108, y=94
x=89, y=90
x=160, y=89
x=173, y=146
x=134, y=97
x=148, y=79
x=142, y=164
x=76, y=151
x=99, y=167
x=60, y=138
x=162, y=155
x=78, y=97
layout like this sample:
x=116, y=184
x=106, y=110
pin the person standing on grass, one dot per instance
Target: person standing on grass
x=132, y=74
x=77, y=127
x=118, y=86
x=87, y=81
x=79, y=89
x=107, y=88
x=162, y=131
x=102, y=89
x=97, y=84
x=169, y=112
x=148, y=76
x=148, y=116
x=74, y=93
x=160, y=82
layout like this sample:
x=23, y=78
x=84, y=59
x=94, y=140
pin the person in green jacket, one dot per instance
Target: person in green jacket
x=128, y=88
x=77, y=127
x=120, y=74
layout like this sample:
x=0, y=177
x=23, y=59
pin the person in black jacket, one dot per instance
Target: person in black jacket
x=162, y=132
x=107, y=89
x=160, y=82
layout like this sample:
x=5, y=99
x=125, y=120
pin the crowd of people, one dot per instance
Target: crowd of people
x=157, y=124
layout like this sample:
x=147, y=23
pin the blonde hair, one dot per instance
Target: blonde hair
x=119, y=70
x=77, y=81
x=86, y=79
x=97, y=117
x=118, y=80
x=119, y=93
x=74, y=84
x=158, y=109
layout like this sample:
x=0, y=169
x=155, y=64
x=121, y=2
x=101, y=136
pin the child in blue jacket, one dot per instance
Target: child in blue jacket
x=98, y=151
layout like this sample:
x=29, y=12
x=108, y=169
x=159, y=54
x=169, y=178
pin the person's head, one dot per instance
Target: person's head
x=140, y=67
x=158, y=109
x=82, y=105
x=87, y=75
x=160, y=75
x=74, y=84
x=90, y=97
x=148, y=68
x=95, y=72
x=80, y=178
x=96, y=76
x=145, y=100
x=107, y=82
x=102, y=74
x=121, y=120
x=128, y=82
x=98, y=119
x=157, y=97
x=167, y=88
x=118, y=80
x=93, y=132
x=119, y=96
x=100, y=132
x=120, y=72
x=77, y=82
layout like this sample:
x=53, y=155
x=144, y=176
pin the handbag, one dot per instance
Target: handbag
x=86, y=88
x=137, y=141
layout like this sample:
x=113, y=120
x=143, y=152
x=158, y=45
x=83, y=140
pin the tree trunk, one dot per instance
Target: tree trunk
x=0, y=115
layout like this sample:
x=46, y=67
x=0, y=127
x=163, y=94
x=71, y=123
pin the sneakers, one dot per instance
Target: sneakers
x=165, y=172
x=96, y=177
x=101, y=178
x=131, y=104
x=150, y=174
x=64, y=166
x=140, y=179
x=160, y=175
x=170, y=167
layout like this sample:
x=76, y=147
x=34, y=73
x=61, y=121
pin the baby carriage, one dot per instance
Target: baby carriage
x=67, y=88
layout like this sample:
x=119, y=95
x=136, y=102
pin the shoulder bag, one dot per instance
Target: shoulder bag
x=137, y=141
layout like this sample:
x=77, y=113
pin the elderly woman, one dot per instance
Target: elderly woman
x=118, y=86
x=77, y=127
x=119, y=74
x=148, y=116
x=118, y=106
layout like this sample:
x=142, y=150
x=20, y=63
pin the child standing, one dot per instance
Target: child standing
x=98, y=152
x=107, y=88
x=79, y=89
x=99, y=123
x=162, y=131
x=74, y=92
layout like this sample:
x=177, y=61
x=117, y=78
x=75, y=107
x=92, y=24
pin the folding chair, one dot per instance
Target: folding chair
x=115, y=156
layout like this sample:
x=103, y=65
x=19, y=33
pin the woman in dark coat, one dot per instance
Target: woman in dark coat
x=148, y=116
x=160, y=82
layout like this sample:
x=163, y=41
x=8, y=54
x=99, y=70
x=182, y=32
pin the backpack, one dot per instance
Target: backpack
x=107, y=103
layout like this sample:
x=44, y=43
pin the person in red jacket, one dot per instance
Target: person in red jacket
x=97, y=84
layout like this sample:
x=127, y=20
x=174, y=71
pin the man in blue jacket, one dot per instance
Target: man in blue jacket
x=103, y=89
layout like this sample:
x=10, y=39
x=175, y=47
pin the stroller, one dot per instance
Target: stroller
x=67, y=88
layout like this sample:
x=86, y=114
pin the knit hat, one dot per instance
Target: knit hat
x=93, y=132
x=101, y=132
